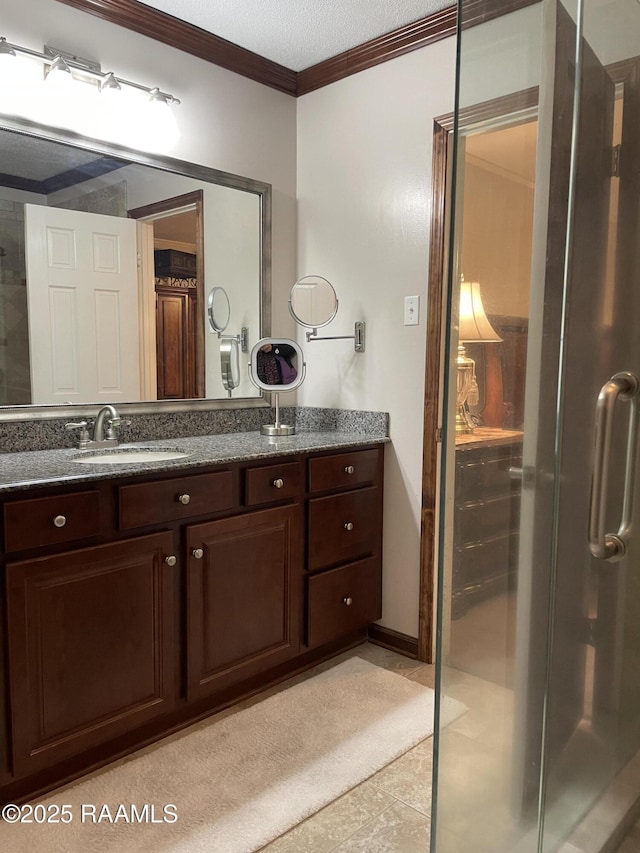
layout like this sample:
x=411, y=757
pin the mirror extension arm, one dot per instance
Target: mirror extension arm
x=358, y=336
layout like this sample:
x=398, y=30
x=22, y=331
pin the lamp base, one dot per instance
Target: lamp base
x=464, y=424
x=466, y=369
x=277, y=429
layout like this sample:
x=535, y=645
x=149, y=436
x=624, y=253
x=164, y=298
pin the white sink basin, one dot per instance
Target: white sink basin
x=129, y=456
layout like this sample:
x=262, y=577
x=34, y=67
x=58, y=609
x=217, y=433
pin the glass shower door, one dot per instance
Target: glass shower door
x=539, y=638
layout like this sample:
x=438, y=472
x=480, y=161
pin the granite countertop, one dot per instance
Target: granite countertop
x=34, y=468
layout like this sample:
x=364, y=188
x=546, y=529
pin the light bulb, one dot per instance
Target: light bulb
x=21, y=86
x=156, y=127
x=59, y=77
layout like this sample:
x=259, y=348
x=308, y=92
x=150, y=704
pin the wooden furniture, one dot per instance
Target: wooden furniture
x=172, y=263
x=136, y=605
x=486, y=514
x=176, y=335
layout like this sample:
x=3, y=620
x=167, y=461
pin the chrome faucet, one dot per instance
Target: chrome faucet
x=104, y=429
x=108, y=415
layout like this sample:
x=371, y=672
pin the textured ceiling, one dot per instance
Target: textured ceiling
x=299, y=33
x=39, y=159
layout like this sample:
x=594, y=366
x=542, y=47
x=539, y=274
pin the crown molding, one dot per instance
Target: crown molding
x=198, y=42
x=191, y=39
x=434, y=27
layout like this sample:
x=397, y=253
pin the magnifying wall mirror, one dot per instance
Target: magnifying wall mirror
x=313, y=302
x=277, y=365
x=219, y=309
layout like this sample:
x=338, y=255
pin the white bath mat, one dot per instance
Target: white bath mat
x=236, y=783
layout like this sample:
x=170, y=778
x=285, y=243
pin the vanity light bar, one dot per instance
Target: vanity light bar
x=86, y=67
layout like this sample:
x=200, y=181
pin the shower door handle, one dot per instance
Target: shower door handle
x=603, y=545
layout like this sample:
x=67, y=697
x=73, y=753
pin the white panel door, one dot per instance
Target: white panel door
x=82, y=291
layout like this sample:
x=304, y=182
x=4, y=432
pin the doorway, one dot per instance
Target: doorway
x=172, y=277
x=539, y=584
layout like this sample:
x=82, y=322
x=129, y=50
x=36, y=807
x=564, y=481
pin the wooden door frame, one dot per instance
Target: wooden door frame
x=443, y=129
x=151, y=211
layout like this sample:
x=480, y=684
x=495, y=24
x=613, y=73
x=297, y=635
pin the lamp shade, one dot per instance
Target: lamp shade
x=474, y=325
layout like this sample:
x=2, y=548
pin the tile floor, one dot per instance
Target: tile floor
x=390, y=811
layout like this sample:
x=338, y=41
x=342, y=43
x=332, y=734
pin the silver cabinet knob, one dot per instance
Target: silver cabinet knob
x=349, y=469
x=60, y=520
x=348, y=601
x=171, y=560
x=348, y=525
x=197, y=553
x=184, y=499
x=279, y=483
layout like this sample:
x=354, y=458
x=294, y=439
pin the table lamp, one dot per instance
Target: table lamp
x=474, y=327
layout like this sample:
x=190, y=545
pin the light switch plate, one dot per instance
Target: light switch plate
x=411, y=310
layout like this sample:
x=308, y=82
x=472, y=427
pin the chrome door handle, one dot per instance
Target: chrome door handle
x=603, y=545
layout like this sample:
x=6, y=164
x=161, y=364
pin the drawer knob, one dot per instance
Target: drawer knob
x=348, y=601
x=348, y=525
x=171, y=560
x=279, y=483
x=184, y=499
x=349, y=469
x=197, y=553
x=60, y=520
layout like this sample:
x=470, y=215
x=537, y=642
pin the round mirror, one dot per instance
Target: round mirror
x=219, y=309
x=230, y=364
x=277, y=364
x=313, y=302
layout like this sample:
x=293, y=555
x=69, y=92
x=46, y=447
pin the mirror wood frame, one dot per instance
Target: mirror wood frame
x=180, y=167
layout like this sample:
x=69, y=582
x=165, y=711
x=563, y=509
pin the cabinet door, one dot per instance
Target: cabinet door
x=244, y=596
x=174, y=342
x=91, y=641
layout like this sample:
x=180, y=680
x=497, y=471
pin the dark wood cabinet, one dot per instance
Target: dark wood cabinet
x=244, y=581
x=343, y=599
x=487, y=513
x=344, y=558
x=105, y=644
x=173, y=263
x=91, y=639
x=175, y=344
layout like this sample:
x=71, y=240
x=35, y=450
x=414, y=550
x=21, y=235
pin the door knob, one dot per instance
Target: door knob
x=197, y=553
x=184, y=499
x=171, y=560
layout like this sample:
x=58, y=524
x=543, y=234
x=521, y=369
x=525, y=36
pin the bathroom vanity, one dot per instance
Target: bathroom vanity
x=138, y=599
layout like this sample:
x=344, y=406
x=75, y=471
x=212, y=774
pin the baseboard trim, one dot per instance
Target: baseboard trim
x=394, y=640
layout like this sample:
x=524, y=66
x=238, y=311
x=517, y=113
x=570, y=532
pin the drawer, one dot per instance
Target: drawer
x=47, y=521
x=342, y=600
x=479, y=477
x=479, y=520
x=481, y=561
x=343, y=527
x=345, y=470
x=171, y=500
x=272, y=483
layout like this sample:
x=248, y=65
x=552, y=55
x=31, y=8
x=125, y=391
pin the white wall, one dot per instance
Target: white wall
x=227, y=122
x=364, y=204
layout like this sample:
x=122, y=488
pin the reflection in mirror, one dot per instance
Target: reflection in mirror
x=73, y=222
x=219, y=309
x=313, y=302
x=277, y=365
x=230, y=363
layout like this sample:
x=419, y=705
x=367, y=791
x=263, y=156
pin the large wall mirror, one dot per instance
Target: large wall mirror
x=106, y=261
